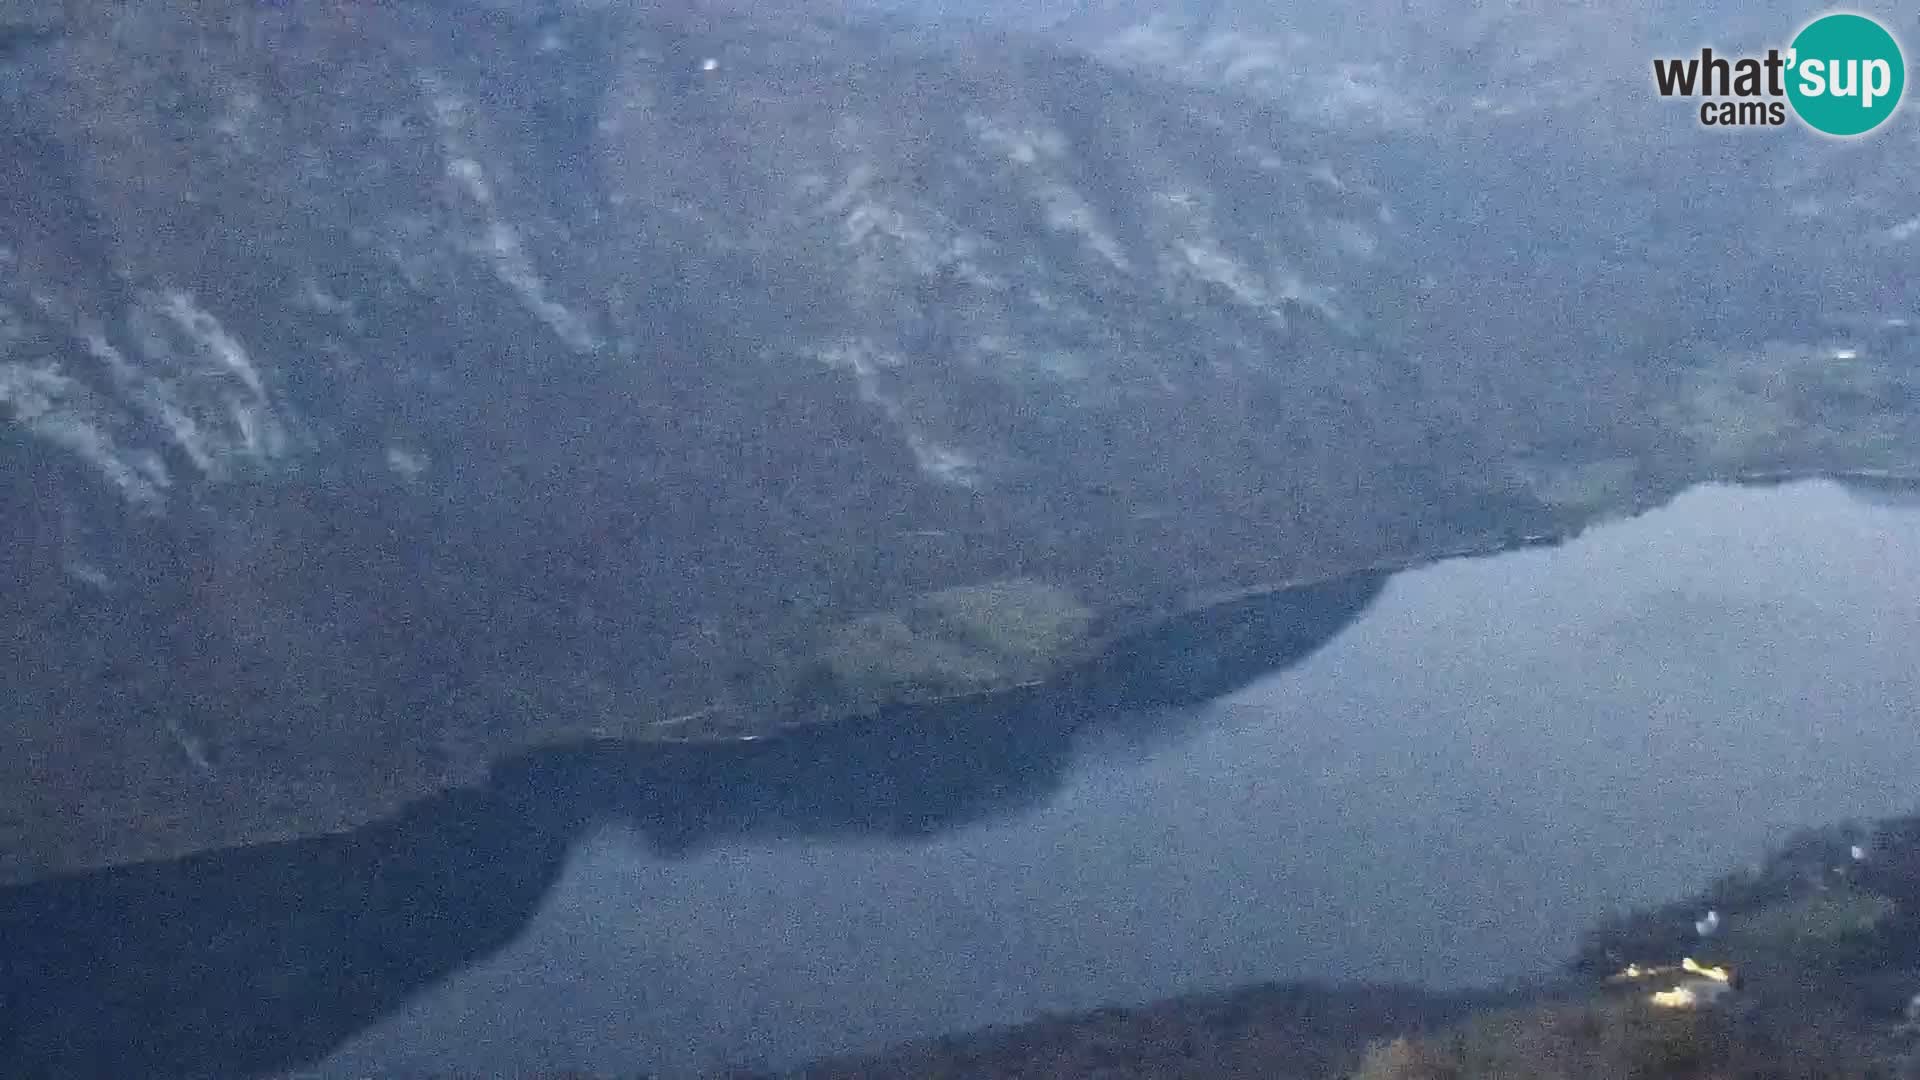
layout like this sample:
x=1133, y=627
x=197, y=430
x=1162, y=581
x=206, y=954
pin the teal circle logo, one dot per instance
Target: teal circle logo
x=1845, y=74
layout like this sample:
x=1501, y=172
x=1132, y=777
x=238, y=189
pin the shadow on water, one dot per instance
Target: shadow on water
x=248, y=961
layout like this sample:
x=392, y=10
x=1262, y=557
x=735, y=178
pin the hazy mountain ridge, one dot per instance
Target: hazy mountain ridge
x=391, y=389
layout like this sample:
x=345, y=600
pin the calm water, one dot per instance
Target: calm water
x=1494, y=753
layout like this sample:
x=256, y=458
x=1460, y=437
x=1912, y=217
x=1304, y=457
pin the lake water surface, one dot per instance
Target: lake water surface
x=1497, y=751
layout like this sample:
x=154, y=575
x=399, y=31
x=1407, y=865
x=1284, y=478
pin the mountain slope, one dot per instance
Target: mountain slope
x=387, y=390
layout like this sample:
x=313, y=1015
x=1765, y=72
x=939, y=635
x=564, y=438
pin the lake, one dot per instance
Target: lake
x=1493, y=753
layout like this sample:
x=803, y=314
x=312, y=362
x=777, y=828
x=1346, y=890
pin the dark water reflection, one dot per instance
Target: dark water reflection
x=1496, y=752
x=249, y=961
x=1448, y=790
